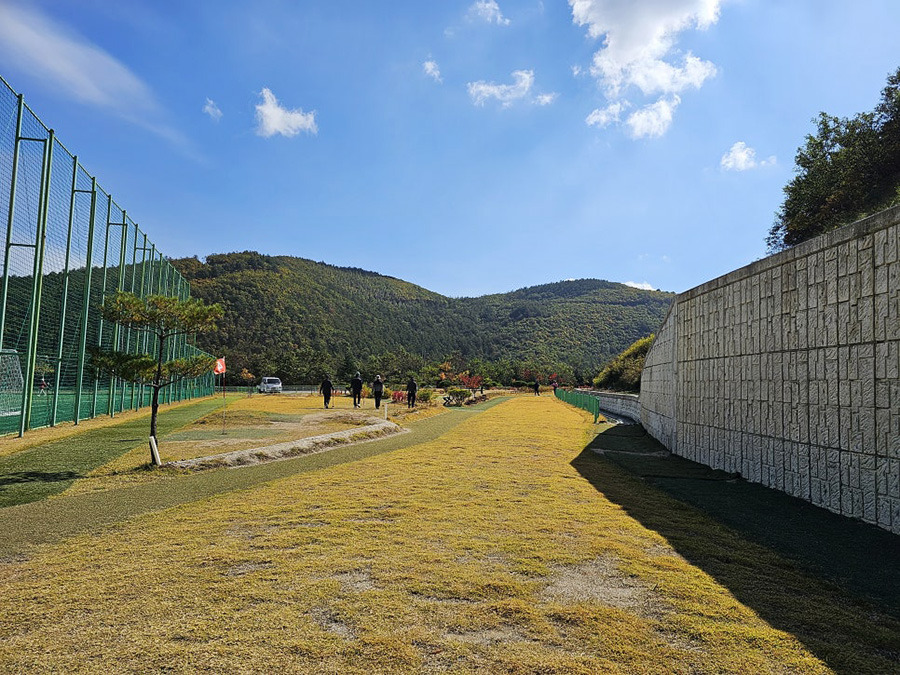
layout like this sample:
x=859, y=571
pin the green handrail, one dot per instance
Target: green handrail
x=580, y=400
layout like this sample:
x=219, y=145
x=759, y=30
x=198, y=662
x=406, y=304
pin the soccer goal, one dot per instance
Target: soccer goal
x=11, y=383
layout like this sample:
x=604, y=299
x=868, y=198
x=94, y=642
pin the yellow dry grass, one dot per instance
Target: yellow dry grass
x=482, y=551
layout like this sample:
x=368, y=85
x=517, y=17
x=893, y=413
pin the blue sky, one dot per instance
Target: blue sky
x=470, y=147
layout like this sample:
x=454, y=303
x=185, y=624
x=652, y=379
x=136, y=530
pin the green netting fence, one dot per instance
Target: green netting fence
x=68, y=245
x=580, y=400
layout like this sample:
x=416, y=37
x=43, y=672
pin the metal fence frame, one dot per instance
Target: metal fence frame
x=580, y=400
x=57, y=327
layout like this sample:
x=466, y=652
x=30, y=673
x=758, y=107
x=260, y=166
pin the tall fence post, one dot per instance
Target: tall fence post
x=85, y=301
x=65, y=295
x=102, y=323
x=11, y=215
x=128, y=336
x=34, y=324
x=141, y=338
x=117, y=329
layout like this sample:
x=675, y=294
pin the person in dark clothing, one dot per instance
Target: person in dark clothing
x=378, y=390
x=411, y=389
x=537, y=388
x=356, y=390
x=555, y=385
x=325, y=389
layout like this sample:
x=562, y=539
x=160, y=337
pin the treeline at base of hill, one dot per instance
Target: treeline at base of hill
x=299, y=320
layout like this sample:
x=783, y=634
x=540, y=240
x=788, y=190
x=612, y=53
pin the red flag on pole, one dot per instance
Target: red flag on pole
x=220, y=366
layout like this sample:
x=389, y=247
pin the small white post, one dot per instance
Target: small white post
x=154, y=452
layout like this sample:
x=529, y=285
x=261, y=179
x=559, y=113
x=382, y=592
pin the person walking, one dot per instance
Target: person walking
x=378, y=390
x=356, y=390
x=325, y=389
x=537, y=387
x=411, y=389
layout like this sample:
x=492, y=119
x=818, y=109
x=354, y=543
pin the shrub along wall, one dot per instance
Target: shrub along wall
x=788, y=371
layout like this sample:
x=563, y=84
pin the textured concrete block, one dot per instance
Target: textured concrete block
x=884, y=513
x=833, y=479
x=804, y=472
x=869, y=507
x=818, y=493
x=887, y=360
x=789, y=372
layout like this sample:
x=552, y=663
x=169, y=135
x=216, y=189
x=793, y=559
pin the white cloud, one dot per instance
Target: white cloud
x=576, y=71
x=506, y=94
x=742, y=157
x=546, y=99
x=488, y=10
x=639, y=51
x=603, y=117
x=660, y=77
x=211, y=109
x=275, y=119
x=644, y=286
x=653, y=120
x=71, y=65
x=431, y=69
x=50, y=52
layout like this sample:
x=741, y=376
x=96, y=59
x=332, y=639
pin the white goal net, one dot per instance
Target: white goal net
x=11, y=383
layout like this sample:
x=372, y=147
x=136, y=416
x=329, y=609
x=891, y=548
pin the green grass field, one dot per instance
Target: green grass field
x=491, y=539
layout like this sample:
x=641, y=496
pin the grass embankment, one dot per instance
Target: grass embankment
x=43, y=469
x=111, y=453
x=245, y=422
x=482, y=550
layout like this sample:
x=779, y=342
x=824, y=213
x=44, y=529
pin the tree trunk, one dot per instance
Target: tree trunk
x=154, y=408
x=157, y=385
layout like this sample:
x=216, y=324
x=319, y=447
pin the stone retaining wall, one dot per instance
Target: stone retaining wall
x=624, y=405
x=788, y=371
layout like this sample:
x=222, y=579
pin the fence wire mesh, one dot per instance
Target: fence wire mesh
x=68, y=245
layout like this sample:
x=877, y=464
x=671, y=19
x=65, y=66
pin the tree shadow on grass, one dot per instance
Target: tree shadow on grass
x=832, y=582
x=21, y=487
x=37, y=477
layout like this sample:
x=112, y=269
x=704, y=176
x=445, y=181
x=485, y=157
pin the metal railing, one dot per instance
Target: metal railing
x=580, y=400
x=68, y=245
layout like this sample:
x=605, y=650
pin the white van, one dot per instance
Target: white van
x=270, y=385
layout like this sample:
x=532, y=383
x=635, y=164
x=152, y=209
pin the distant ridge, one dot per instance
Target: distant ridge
x=296, y=318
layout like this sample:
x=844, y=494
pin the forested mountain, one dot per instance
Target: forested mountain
x=295, y=318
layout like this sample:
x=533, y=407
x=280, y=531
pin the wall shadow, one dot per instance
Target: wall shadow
x=777, y=554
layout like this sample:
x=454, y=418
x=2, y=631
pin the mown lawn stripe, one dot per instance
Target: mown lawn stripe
x=50, y=468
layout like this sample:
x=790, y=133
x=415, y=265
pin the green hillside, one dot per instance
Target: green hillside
x=296, y=318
